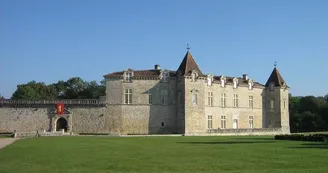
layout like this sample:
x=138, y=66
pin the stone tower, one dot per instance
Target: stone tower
x=190, y=85
x=276, y=106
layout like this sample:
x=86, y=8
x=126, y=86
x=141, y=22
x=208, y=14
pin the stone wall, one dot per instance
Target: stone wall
x=84, y=120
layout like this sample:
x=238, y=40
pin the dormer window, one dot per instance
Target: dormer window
x=250, y=84
x=128, y=75
x=165, y=76
x=223, y=81
x=194, y=75
x=235, y=83
x=209, y=80
x=271, y=86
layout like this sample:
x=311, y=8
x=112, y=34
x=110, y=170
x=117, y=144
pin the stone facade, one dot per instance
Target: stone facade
x=194, y=102
x=160, y=101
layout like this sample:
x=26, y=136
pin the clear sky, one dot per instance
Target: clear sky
x=55, y=40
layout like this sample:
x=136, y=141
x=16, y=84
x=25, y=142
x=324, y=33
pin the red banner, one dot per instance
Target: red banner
x=60, y=108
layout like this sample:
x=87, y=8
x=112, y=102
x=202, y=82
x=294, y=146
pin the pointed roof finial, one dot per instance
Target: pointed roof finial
x=188, y=47
x=275, y=64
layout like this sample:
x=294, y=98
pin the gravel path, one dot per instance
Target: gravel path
x=6, y=141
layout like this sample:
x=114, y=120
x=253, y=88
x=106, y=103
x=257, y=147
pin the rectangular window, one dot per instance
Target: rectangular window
x=223, y=100
x=166, y=76
x=194, y=99
x=272, y=104
x=128, y=96
x=163, y=124
x=128, y=76
x=250, y=101
x=235, y=100
x=209, y=122
x=251, y=122
x=210, y=99
x=150, y=99
x=284, y=104
x=223, y=122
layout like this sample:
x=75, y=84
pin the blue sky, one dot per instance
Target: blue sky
x=55, y=40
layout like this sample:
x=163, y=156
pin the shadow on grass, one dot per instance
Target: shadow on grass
x=312, y=145
x=229, y=142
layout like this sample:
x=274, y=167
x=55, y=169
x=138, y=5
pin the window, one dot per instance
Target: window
x=128, y=76
x=163, y=124
x=235, y=82
x=223, y=100
x=235, y=100
x=284, y=104
x=210, y=99
x=164, y=98
x=194, y=75
x=209, y=81
x=150, y=99
x=271, y=86
x=166, y=76
x=128, y=96
x=235, y=124
x=194, y=99
x=222, y=82
x=209, y=122
x=272, y=104
x=223, y=122
x=250, y=84
x=251, y=122
x=250, y=101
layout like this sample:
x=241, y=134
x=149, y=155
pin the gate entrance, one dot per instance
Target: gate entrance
x=61, y=124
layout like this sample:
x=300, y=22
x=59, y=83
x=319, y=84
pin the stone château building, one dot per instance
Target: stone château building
x=190, y=102
x=160, y=101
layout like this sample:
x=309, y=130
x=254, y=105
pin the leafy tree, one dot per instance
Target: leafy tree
x=73, y=88
x=1, y=97
x=34, y=91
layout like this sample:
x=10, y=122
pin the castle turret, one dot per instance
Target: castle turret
x=191, y=92
x=277, y=111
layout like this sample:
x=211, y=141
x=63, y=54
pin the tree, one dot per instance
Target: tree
x=1, y=97
x=34, y=91
x=73, y=88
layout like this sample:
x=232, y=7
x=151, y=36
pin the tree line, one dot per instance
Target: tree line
x=307, y=113
x=73, y=88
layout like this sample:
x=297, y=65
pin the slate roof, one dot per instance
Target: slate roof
x=188, y=64
x=141, y=73
x=276, y=78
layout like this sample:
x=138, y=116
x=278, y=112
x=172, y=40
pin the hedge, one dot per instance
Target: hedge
x=299, y=137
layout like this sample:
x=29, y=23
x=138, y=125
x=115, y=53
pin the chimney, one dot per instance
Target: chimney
x=157, y=67
x=245, y=76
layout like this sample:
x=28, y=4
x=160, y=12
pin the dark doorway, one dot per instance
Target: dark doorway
x=61, y=124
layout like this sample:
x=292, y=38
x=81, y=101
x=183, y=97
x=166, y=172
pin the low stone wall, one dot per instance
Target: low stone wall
x=238, y=132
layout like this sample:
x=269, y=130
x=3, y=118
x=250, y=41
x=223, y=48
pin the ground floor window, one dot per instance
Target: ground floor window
x=251, y=122
x=209, y=122
x=223, y=122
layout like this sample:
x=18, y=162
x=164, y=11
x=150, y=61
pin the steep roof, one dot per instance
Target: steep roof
x=188, y=64
x=276, y=78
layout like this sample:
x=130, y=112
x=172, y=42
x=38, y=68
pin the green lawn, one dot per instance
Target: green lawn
x=162, y=154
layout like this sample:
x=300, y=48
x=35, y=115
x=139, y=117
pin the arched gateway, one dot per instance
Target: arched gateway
x=61, y=124
x=61, y=121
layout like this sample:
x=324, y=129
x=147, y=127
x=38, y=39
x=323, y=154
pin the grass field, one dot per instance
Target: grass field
x=162, y=154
